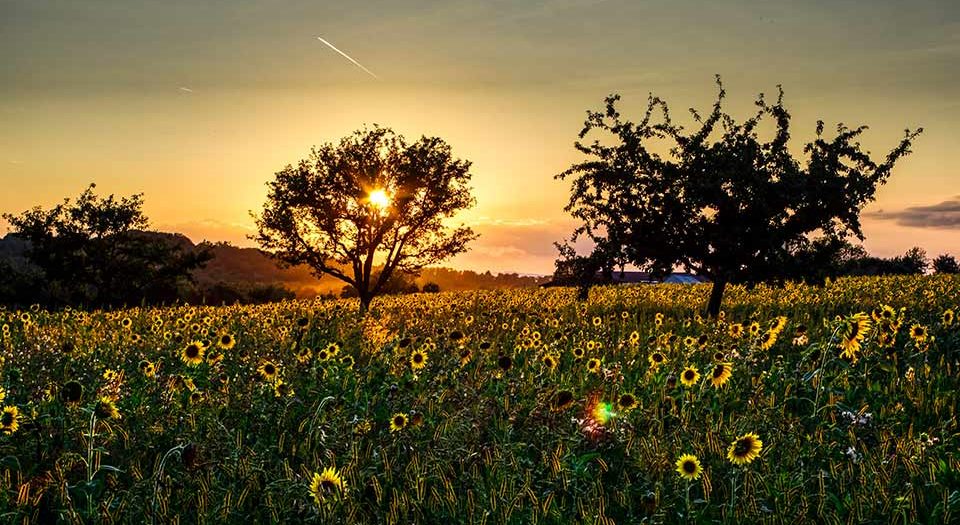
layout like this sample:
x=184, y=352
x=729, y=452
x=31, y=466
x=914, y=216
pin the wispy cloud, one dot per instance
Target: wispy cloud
x=185, y=89
x=944, y=215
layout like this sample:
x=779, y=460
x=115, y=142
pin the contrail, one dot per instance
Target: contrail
x=186, y=89
x=358, y=64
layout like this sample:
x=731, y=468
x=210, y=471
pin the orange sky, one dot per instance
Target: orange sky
x=198, y=104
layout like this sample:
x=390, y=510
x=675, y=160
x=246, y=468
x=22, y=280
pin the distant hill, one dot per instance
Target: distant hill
x=252, y=267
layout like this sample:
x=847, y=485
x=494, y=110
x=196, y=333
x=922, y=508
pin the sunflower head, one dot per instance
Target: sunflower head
x=192, y=354
x=745, y=449
x=72, y=392
x=326, y=484
x=398, y=422
x=627, y=402
x=418, y=359
x=721, y=374
x=689, y=376
x=688, y=467
x=226, y=341
x=9, y=420
x=593, y=365
x=268, y=371
x=562, y=400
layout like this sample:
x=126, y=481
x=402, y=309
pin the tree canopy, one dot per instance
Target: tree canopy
x=98, y=252
x=718, y=200
x=367, y=207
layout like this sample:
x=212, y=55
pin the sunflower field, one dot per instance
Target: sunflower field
x=832, y=404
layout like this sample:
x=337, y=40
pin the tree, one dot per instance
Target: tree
x=719, y=201
x=98, y=252
x=946, y=264
x=373, y=197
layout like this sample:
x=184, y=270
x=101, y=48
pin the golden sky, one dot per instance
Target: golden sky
x=197, y=104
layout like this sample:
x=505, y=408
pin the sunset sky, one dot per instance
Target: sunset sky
x=197, y=103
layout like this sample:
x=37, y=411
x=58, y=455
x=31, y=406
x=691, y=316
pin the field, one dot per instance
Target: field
x=834, y=404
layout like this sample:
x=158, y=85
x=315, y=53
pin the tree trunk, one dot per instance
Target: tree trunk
x=365, y=299
x=716, y=296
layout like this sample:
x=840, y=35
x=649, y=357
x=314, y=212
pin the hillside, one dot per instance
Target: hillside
x=252, y=267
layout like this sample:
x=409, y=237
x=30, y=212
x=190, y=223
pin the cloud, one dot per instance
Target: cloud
x=945, y=215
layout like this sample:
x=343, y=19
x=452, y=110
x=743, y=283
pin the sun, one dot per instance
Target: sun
x=379, y=198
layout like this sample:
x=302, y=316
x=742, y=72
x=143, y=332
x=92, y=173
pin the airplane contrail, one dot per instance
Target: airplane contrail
x=344, y=55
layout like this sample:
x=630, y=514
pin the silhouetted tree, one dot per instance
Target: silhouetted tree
x=946, y=264
x=373, y=196
x=431, y=288
x=720, y=201
x=97, y=252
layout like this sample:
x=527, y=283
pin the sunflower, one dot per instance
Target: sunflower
x=3, y=394
x=550, y=361
x=325, y=484
x=196, y=397
x=226, y=341
x=593, y=365
x=656, y=359
x=578, y=353
x=192, y=354
x=768, y=340
x=418, y=359
x=268, y=371
x=721, y=374
x=465, y=356
x=347, y=361
x=398, y=422
x=754, y=329
x=745, y=449
x=304, y=355
x=735, y=330
x=126, y=323
x=333, y=349
x=947, y=318
x=9, y=420
x=72, y=392
x=690, y=376
x=281, y=389
x=562, y=400
x=918, y=333
x=689, y=341
x=105, y=409
x=627, y=402
x=688, y=466
x=852, y=332
x=597, y=321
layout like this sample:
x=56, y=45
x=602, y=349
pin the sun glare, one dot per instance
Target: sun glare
x=379, y=198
